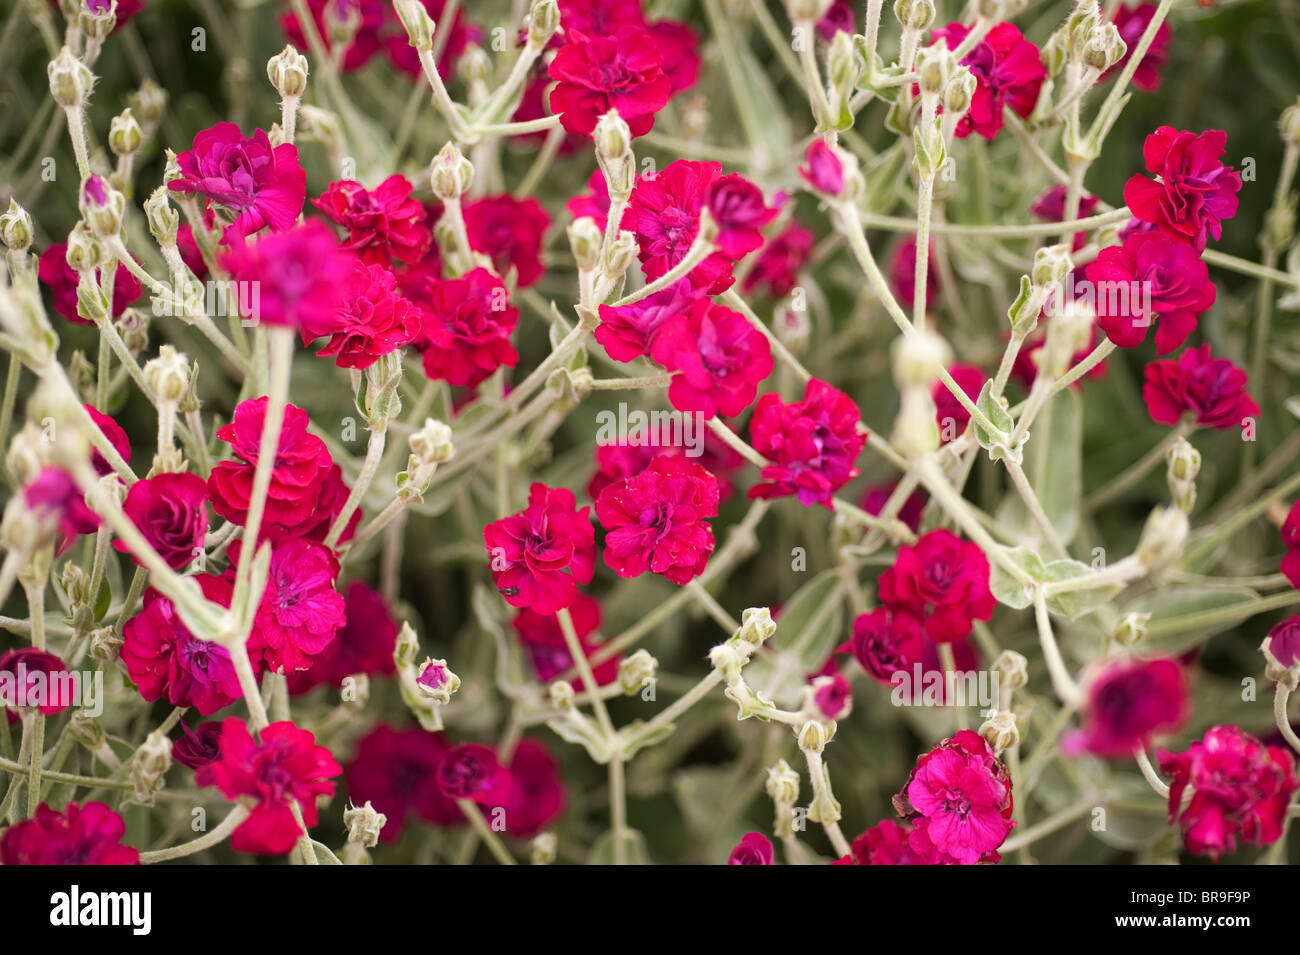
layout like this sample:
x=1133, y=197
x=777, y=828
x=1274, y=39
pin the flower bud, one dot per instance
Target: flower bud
x=562, y=696
x=1162, y=538
x=612, y=137
x=914, y=15
x=70, y=80
x=842, y=65
x=1184, y=462
x=416, y=22
x=1080, y=24
x=1103, y=48
x=585, y=240
x=935, y=67
x=793, y=329
x=164, y=221
x=101, y=207
x=124, y=134
x=149, y=103
x=27, y=453
x=619, y=255
x=1051, y=265
x=168, y=375
x=545, y=848
x=16, y=228
x=133, y=326
x=756, y=626
x=804, y=10
x=1131, y=628
x=918, y=359
x=1000, y=731
x=149, y=766
x=288, y=69
x=782, y=784
x=636, y=671
x=1012, y=669
x=451, y=173
x=86, y=730
x=543, y=21
x=432, y=443
x=1289, y=124
x=436, y=681
x=814, y=735
x=76, y=584
x=342, y=20
x=727, y=662
x=959, y=91
x=407, y=646
x=916, y=430
x=474, y=65
x=97, y=21
x=105, y=644
x=364, y=824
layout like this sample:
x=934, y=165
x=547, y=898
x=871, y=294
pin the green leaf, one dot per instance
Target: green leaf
x=995, y=410
x=1009, y=591
x=1075, y=603
x=323, y=854
x=103, y=601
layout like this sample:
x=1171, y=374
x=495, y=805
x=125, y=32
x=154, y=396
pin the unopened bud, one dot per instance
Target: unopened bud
x=474, y=65
x=1131, y=629
x=133, y=326
x=432, y=444
x=76, y=584
x=437, y=682
x=164, y=221
x=1289, y=124
x=1000, y=731
x=16, y=228
x=407, y=646
x=562, y=696
x=288, y=70
x=451, y=173
x=97, y=20
x=86, y=730
x=364, y=824
x=149, y=766
x=416, y=22
x=1051, y=265
x=585, y=240
x=959, y=91
x=101, y=207
x=543, y=21
x=1162, y=538
x=1103, y=48
x=914, y=14
x=612, y=137
x=545, y=848
x=619, y=255
x=70, y=80
x=105, y=644
x=149, y=103
x=935, y=67
x=782, y=784
x=916, y=429
x=636, y=671
x=168, y=375
x=918, y=359
x=1012, y=669
x=124, y=134
x=814, y=735
x=756, y=625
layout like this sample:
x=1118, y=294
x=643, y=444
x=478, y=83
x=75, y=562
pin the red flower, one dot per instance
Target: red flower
x=754, y=849
x=164, y=659
x=471, y=771
x=116, y=437
x=778, y=265
x=628, y=459
x=372, y=319
x=397, y=772
x=200, y=746
x=943, y=581
x=950, y=414
x=1240, y=787
x=540, y=555
x=737, y=207
x=812, y=444
x=838, y=18
x=885, y=643
x=467, y=324
x=57, y=503
x=1212, y=389
x=822, y=168
x=190, y=252
x=627, y=331
x=300, y=612
x=1008, y=72
x=958, y=800
x=547, y=650
x=54, y=270
x=537, y=797
x=622, y=71
x=679, y=53
x=290, y=278
x=384, y=226
x=370, y=18
x=902, y=274
x=1150, y=276
x=267, y=775
x=1196, y=191
x=89, y=834
x=717, y=357
x=885, y=843
x=36, y=678
x=1132, y=22
x=1291, y=540
x=364, y=644
x=264, y=187
x=1129, y=701
x=1284, y=641
x=509, y=231
x=664, y=212
x=657, y=521
x=306, y=491
x=832, y=694
x=171, y=510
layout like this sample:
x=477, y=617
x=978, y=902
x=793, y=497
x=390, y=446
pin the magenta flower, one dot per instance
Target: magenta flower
x=1213, y=390
x=89, y=834
x=300, y=611
x=200, y=746
x=594, y=203
x=1284, y=641
x=885, y=843
x=56, y=502
x=594, y=74
x=754, y=849
x=537, y=795
x=372, y=319
x=822, y=168
x=364, y=644
x=54, y=271
x=658, y=520
x=290, y=278
x=116, y=437
x=717, y=357
x=1008, y=73
x=627, y=331
x=1196, y=191
x=949, y=413
x=540, y=555
x=547, y=650
x=466, y=327
x=1128, y=702
x=1291, y=540
x=510, y=232
x=37, y=679
x=777, y=267
x=370, y=17
x=171, y=510
x=812, y=444
x=396, y=770
x=384, y=226
x=941, y=580
x=262, y=186
x=1132, y=22
x=471, y=771
x=737, y=207
x=664, y=213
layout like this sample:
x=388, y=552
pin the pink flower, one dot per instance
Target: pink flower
x=36, y=679
x=509, y=231
x=778, y=265
x=165, y=660
x=949, y=413
x=1008, y=72
x=822, y=168
x=1240, y=787
x=306, y=491
x=885, y=642
x=664, y=213
x=740, y=213
x=1211, y=389
x=1291, y=540
x=630, y=458
x=627, y=331
x=89, y=834
x=467, y=323
x=833, y=695
x=267, y=776
x=1128, y=702
x=679, y=53
x=754, y=849
x=471, y=771
x=116, y=437
x=300, y=611
x=364, y=644
x=540, y=555
x=837, y=19
x=290, y=278
x=372, y=319
x=264, y=187
x=384, y=226
x=1132, y=22
x=622, y=71
x=547, y=650
x=537, y=796
x=1150, y=276
x=1196, y=191
x=958, y=800
x=812, y=444
x=885, y=843
x=657, y=521
x=902, y=274
x=1284, y=641
x=54, y=499
x=54, y=270
x=941, y=580
x=171, y=510
x=397, y=772
x=718, y=359
x=370, y=17
x=200, y=746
